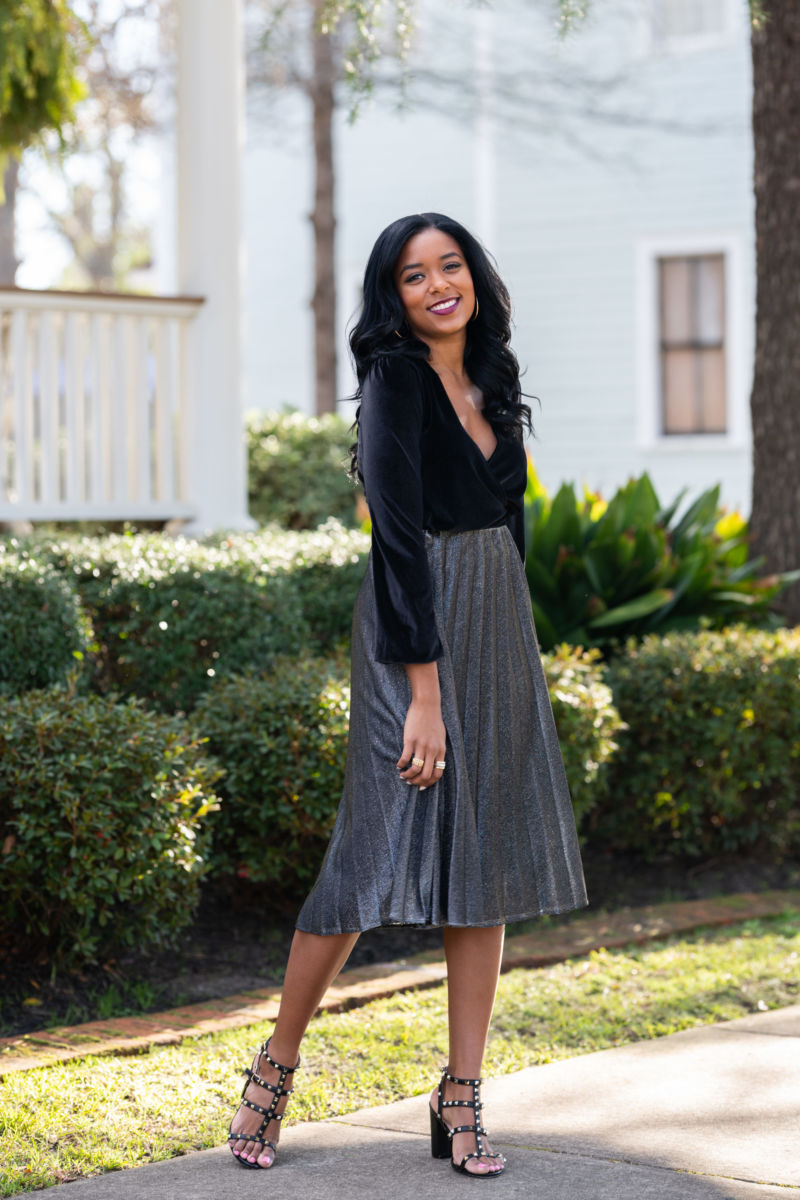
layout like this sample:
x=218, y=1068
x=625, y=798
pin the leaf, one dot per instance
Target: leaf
x=642, y=606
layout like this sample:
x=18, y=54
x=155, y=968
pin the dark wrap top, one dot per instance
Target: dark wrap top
x=421, y=470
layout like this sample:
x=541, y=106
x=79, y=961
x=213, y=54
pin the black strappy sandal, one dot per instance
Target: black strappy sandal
x=267, y=1114
x=442, y=1135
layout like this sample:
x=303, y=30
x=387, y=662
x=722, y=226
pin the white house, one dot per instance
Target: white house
x=621, y=217
x=610, y=174
x=130, y=407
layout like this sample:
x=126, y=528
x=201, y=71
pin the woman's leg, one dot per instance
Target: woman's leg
x=314, y=962
x=473, y=967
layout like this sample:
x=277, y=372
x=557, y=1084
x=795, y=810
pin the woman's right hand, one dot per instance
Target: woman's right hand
x=424, y=734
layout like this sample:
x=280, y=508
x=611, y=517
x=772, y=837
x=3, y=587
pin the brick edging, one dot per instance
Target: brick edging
x=582, y=934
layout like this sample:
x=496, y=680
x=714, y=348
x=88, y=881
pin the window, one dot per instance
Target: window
x=679, y=22
x=691, y=317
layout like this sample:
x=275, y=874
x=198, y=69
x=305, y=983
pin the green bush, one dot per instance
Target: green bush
x=102, y=809
x=165, y=639
x=587, y=723
x=710, y=760
x=282, y=739
x=601, y=572
x=43, y=633
x=297, y=469
x=326, y=566
x=327, y=572
x=172, y=614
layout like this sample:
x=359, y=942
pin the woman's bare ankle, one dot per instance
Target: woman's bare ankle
x=285, y=1053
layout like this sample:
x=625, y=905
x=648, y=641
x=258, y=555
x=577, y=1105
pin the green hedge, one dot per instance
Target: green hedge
x=710, y=760
x=326, y=566
x=102, y=808
x=44, y=635
x=172, y=614
x=587, y=722
x=297, y=469
x=282, y=739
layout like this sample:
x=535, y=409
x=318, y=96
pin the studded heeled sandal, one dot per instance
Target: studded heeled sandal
x=267, y=1114
x=442, y=1134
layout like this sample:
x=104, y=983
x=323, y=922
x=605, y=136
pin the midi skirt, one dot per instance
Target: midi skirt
x=494, y=839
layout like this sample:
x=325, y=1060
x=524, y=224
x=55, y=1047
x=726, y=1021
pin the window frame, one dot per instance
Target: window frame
x=649, y=433
x=688, y=43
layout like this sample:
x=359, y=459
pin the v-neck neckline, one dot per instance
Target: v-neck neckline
x=458, y=419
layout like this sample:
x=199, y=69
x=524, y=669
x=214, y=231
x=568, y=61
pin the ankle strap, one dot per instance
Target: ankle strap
x=455, y=1079
x=278, y=1066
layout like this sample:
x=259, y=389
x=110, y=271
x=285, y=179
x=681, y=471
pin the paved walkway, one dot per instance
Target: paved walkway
x=576, y=936
x=708, y=1114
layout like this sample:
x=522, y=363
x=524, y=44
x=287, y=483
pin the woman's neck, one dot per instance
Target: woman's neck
x=448, y=355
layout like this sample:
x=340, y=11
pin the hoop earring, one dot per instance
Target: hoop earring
x=474, y=316
x=400, y=335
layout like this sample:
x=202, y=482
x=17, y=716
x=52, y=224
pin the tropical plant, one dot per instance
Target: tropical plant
x=600, y=571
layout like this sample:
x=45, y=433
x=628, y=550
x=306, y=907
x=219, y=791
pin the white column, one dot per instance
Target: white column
x=484, y=166
x=210, y=255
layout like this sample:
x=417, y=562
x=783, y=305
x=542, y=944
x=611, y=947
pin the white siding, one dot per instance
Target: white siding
x=568, y=230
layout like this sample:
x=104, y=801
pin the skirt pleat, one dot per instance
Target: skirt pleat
x=494, y=839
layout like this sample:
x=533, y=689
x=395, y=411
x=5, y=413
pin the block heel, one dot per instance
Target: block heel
x=441, y=1146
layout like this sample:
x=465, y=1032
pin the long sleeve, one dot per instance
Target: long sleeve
x=389, y=456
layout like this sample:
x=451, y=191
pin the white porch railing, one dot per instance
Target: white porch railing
x=95, y=421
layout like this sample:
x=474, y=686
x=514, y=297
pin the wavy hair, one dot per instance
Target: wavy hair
x=488, y=358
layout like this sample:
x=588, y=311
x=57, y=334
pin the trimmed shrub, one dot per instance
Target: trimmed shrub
x=710, y=760
x=43, y=633
x=327, y=572
x=297, y=469
x=282, y=738
x=102, y=811
x=326, y=566
x=172, y=614
x=587, y=723
x=165, y=639
x=600, y=572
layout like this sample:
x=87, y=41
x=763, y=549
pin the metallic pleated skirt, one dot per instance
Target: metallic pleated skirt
x=494, y=839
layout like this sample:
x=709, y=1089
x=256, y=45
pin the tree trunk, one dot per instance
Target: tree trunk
x=775, y=399
x=323, y=220
x=8, y=258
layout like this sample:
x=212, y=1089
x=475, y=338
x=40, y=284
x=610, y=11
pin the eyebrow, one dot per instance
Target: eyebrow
x=415, y=266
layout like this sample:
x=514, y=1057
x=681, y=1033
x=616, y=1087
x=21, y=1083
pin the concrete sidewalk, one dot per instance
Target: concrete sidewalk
x=708, y=1114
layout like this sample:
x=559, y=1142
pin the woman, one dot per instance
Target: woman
x=455, y=810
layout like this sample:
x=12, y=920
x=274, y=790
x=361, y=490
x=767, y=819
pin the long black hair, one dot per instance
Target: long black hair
x=488, y=358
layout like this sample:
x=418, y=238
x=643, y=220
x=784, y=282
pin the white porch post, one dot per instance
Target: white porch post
x=210, y=257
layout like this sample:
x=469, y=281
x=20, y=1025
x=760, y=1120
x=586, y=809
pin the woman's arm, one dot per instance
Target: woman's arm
x=389, y=455
x=424, y=734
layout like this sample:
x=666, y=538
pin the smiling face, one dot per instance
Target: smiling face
x=435, y=286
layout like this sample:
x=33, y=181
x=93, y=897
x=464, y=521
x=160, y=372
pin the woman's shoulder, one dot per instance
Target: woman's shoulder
x=396, y=374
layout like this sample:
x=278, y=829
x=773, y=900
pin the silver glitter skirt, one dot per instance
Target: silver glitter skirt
x=493, y=840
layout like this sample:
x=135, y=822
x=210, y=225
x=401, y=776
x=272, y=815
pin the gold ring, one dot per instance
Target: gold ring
x=441, y=764
x=418, y=762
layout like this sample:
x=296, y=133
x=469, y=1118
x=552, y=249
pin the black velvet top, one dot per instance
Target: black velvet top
x=422, y=470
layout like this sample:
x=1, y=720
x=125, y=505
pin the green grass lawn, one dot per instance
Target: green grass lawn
x=61, y=1123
